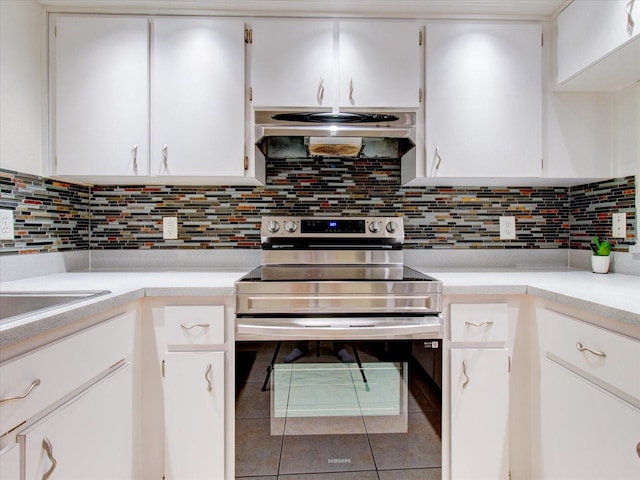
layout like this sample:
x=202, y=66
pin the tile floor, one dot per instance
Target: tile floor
x=412, y=455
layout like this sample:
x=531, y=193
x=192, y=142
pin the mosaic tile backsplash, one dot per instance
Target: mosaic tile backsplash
x=49, y=216
x=56, y=216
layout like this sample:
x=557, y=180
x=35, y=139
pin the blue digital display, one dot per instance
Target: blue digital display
x=331, y=226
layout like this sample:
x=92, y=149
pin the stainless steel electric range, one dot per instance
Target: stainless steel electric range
x=325, y=333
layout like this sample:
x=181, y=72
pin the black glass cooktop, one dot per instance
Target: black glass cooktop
x=302, y=273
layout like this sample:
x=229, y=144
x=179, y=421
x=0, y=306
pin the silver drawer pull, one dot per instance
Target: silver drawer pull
x=46, y=444
x=479, y=324
x=464, y=372
x=189, y=327
x=582, y=348
x=34, y=384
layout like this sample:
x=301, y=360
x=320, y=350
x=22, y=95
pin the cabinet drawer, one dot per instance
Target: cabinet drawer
x=194, y=325
x=601, y=354
x=61, y=368
x=479, y=322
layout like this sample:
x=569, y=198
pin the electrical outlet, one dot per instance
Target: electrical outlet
x=619, y=225
x=507, y=228
x=6, y=225
x=170, y=228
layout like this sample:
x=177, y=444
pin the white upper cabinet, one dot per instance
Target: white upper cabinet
x=598, y=45
x=292, y=63
x=100, y=95
x=148, y=98
x=197, y=97
x=483, y=100
x=333, y=65
x=380, y=64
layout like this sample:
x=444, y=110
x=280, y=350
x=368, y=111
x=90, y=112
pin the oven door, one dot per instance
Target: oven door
x=356, y=403
x=338, y=328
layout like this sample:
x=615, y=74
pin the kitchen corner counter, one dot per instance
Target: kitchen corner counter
x=614, y=296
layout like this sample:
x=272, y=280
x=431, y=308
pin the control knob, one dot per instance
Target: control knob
x=375, y=226
x=290, y=226
x=273, y=226
x=392, y=227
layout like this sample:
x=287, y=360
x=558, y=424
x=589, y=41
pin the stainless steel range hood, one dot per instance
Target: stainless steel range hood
x=318, y=134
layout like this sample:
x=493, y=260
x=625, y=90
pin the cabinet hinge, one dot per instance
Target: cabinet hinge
x=251, y=94
x=162, y=368
x=419, y=95
x=248, y=35
x=420, y=38
x=246, y=162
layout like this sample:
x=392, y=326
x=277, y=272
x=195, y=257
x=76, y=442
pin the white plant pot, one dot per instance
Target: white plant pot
x=600, y=263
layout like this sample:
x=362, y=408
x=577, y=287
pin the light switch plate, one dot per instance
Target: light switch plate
x=507, y=228
x=619, y=225
x=6, y=225
x=170, y=228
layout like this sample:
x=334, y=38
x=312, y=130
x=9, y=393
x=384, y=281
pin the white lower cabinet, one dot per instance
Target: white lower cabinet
x=479, y=413
x=188, y=417
x=10, y=462
x=587, y=433
x=589, y=400
x=194, y=395
x=88, y=437
x=479, y=378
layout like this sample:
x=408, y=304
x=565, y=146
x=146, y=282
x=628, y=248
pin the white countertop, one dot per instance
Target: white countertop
x=614, y=296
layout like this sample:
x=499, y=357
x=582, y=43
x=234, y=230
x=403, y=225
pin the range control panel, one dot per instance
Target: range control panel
x=384, y=228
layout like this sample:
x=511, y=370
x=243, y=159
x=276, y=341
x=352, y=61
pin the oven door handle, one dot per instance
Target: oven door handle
x=337, y=329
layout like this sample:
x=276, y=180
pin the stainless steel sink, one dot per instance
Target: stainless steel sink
x=14, y=305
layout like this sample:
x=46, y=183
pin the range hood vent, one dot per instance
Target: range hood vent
x=281, y=135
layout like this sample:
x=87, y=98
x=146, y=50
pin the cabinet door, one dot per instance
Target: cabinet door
x=194, y=391
x=589, y=31
x=91, y=436
x=292, y=63
x=480, y=413
x=197, y=97
x=379, y=64
x=484, y=100
x=100, y=95
x=10, y=462
x=587, y=433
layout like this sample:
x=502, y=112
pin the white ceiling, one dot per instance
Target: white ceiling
x=538, y=9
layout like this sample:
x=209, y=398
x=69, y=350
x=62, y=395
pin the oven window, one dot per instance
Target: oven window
x=323, y=413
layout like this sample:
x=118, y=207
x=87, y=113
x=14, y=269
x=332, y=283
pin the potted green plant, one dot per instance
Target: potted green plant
x=600, y=258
